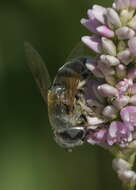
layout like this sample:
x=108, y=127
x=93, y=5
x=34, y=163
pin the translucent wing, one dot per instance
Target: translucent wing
x=78, y=51
x=38, y=69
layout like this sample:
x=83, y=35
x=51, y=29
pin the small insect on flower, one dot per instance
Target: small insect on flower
x=67, y=109
x=93, y=97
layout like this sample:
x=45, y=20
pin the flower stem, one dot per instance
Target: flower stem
x=128, y=187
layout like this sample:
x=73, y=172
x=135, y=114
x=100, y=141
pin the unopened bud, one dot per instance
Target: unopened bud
x=127, y=176
x=122, y=4
x=108, y=46
x=121, y=71
x=125, y=56
x=113, y=18
x=93, y=42
x=107, y=91
x=99, y=12
x=110, y=112
x=109, y=60
x=133, y=3
x=94, y=121
x=105, y=69
x=125, y=33
x=120, y=164
x=105, y=31
x=121, y=102
x=92, y=66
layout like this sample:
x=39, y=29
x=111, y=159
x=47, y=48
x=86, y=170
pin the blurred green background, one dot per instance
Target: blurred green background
x=29, y=158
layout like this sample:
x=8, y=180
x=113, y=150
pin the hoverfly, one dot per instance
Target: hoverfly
x=63, y=97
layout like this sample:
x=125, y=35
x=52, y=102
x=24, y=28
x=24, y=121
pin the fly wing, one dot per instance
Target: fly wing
x=38, y=69
x=80, y=50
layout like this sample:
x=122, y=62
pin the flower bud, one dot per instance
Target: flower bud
x=108, y=72
x=133, y=3
x=93, y=42
x=110, y=112
x=105, y=31
x=125, y=56
x=124, y=33
x=122, y=4
x=105, y=69
x=108, y=96
x=113, y=18
x=109, y=60
x=92, y=66
x=118, y=131
x=97, y=137
x=128, y=176
x=108, y=47
x=121, y=102
x=132, y=45
x=89, y=25
x=128, y=114
x=94, y=121
x=107, y=91
x=123, y=85
x=121, y=71
x=120, y=164
x=99, y=12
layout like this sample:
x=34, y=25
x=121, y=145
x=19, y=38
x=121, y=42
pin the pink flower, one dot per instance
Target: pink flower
x=91, y=24
x=107, y=90
x=105, y=31
x=128, y=115
x=125, y=33
x=123, y=85
x=122, y=4
x=121, y=101
x=99, y=12
x=118, y=133
x=133, y=3
x=96, y=137
x=112, y=98
x=125, y=56
x=93, y=42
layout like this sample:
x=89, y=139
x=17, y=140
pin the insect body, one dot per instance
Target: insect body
x=65, y=112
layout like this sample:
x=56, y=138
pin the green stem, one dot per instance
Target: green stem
x=126, y=187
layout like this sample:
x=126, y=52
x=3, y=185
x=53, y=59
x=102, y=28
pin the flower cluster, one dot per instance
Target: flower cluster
x=114, y=67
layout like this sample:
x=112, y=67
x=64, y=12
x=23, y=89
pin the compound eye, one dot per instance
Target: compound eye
x=72, y=134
